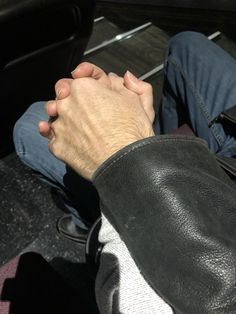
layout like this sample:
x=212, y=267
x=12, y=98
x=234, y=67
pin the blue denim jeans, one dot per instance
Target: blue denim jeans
x=79, y=195
x=200, y=82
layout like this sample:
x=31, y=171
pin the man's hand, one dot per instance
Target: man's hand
x=94, y=122
x=85, y=69
x=141, y=88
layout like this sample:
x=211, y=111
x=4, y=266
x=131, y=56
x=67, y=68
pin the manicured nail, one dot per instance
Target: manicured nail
x=132, y=76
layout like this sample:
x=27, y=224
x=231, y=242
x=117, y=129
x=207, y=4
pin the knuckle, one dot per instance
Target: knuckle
x=82, y=84
x=47, y=104
x=59, y=83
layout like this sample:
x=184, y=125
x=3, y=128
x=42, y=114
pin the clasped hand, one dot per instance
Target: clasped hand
x=96, y=116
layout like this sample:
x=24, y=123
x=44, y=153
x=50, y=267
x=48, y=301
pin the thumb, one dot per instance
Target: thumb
x=144, y=90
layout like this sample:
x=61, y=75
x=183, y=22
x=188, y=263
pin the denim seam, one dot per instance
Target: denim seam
x=153, y=140
x=200, y=102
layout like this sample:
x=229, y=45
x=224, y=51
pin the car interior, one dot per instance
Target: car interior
x=42, y=42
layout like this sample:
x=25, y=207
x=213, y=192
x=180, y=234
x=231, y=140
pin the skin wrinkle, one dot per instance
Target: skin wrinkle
x=137, y=97
x=89, y=124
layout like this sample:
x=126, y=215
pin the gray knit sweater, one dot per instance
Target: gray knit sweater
x=120, y=287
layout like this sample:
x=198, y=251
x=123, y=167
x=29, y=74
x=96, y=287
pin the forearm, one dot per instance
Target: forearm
x=169, y=201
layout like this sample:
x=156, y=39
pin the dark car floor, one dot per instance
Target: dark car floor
x=29, y=208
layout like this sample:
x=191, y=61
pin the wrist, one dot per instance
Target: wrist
x=116, y=148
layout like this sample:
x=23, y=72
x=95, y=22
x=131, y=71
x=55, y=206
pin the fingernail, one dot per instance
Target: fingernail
x=112, y=73
x=132, y=76
x=76, y=69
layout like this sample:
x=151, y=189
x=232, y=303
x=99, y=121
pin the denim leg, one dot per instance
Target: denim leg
x=200, y=79
x=33, y=150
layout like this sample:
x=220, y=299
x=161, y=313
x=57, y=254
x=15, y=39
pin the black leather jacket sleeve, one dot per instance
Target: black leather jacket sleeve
x=175, y=209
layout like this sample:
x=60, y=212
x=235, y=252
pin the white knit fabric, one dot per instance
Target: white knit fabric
x=120, y=287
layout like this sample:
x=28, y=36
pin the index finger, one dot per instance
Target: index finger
x=87, y=69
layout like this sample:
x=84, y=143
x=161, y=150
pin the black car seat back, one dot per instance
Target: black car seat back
x=41, y=42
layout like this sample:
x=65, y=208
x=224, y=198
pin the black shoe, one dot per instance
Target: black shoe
x=67, y=227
